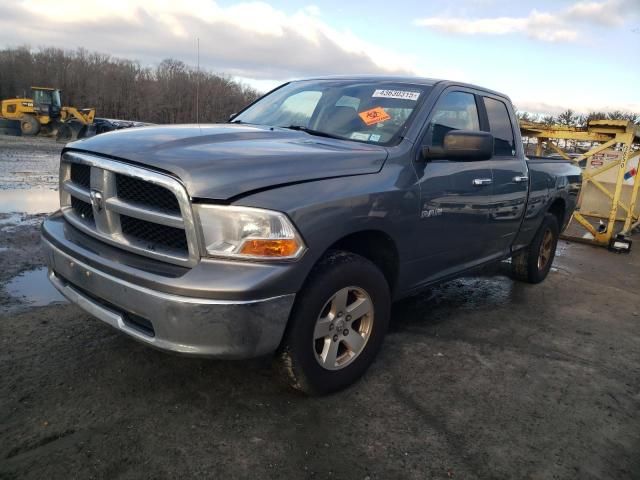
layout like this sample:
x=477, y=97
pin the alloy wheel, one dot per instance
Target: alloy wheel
x=546, y=249
x=343, y=328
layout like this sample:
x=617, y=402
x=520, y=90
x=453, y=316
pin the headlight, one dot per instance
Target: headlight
x=251, y=233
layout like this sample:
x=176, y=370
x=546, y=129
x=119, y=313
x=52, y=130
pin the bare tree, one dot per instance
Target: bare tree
x=567, y=118
x=548, y=119
x=120, y=88
x=166, y=93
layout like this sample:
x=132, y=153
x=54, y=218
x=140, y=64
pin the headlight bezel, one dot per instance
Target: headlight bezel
x=228, y=210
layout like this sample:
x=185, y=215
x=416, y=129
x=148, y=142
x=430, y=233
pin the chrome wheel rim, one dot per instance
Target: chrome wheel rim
x=343, y=328
x=546, y=248
x=26, y=127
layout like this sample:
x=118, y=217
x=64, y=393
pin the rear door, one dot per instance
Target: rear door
x=510, y=175
x=455, y=196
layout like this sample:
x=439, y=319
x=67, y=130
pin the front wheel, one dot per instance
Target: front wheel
x=29, y=125
x=533, y=263
x=337, y=325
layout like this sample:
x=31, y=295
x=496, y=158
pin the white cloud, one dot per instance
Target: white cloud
x=562, y=26
x=537, y=25
x=249, y=39
x=607, y=13
x=579, y=106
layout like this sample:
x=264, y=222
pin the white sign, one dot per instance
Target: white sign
x=400, y=94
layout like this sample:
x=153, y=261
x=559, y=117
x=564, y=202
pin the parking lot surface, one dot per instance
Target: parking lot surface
x=482, y=377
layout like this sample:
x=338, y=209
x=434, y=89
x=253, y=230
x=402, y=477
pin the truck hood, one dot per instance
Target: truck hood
x=222, y=161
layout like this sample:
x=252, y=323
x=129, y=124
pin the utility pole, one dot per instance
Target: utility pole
x=198, y=84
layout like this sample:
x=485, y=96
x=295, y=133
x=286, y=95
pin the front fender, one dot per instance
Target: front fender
x=326, y=211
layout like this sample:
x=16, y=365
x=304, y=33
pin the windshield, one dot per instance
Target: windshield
x=42, y=97
x=364, y=111
x=46, y=97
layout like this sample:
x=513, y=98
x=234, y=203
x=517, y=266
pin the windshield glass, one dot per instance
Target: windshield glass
x=42, y=97
x=365, y=111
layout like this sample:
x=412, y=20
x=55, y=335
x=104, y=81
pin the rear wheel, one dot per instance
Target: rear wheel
x=29, y=125
x=533, y=263
x=337, y=325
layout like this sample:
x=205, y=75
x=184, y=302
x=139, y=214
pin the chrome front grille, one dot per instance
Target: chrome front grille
x=139, y=210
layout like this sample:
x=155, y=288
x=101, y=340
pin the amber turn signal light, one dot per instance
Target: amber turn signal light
x=270, y=248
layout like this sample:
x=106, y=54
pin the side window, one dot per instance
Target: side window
x=500, y=126
x=456, y=111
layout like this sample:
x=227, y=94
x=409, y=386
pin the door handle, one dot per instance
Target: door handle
x=479, y=182
x=520, y=178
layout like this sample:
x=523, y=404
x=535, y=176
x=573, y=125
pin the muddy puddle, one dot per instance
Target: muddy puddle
x=33, y=288
x=29, y=201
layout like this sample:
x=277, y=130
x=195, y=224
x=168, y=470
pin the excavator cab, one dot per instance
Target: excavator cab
x=46, y=101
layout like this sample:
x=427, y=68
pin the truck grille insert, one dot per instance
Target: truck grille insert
x=83, y=210
x=146, y=194
x=133, y=208
x=81, y=174
x=153, y=234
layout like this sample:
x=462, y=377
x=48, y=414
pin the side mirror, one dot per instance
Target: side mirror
x=462, y=145
x=232, y=116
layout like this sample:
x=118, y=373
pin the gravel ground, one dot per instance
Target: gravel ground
x=480, y=378
x=27, y=162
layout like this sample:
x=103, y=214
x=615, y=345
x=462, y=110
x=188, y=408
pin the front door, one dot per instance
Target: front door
x=455, y=195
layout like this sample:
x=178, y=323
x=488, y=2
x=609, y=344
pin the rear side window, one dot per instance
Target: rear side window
x=456, y=111
x=500, y=126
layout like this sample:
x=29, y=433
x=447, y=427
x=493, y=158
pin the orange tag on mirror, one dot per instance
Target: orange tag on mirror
x=373, y=116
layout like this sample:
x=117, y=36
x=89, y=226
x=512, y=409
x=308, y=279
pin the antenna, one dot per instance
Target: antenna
x=198, y=84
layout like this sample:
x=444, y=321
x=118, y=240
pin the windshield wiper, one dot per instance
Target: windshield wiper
x=310, y=131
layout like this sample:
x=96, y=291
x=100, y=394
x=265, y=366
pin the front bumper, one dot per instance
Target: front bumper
x=193, y=325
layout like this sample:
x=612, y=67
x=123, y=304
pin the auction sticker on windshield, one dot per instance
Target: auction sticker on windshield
x=374, y=115
x=400, y=94
x=360, y=136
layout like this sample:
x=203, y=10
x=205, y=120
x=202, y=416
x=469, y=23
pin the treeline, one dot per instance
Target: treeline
x=573, y=119
x=124, y=89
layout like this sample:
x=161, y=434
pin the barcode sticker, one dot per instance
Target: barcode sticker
x=400, y=94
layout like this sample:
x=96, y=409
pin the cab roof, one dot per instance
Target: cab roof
x=424, y=81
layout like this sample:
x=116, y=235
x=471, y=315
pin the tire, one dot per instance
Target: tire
x=310, y=359
x=532, y=264
x=29, y=125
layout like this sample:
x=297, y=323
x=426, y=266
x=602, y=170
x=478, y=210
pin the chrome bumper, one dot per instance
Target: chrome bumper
x=176, y=323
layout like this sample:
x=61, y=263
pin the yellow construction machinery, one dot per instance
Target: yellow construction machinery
x=43, y=112
x=609, y=208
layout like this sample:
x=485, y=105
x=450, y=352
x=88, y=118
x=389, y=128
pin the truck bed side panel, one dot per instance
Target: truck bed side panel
x=551, y=180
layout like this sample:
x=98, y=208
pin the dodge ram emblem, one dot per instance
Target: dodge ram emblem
x=96, y=200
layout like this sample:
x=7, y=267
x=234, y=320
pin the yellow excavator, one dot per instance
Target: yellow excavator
x=43, y=112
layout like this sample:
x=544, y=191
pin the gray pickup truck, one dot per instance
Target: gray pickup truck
x=292, y=228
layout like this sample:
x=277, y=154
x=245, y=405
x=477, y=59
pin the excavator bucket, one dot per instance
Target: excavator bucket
x=69, y=131
x=74, y=130
x=89, y=130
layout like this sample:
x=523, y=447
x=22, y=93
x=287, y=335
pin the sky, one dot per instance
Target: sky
x=547, y=55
